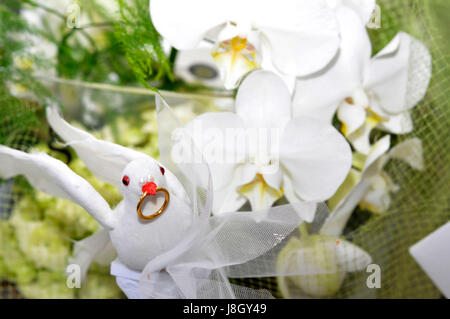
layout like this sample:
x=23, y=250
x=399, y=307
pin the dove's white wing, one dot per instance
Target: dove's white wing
x=55, y=178
x=96, y=247
x=105, y=159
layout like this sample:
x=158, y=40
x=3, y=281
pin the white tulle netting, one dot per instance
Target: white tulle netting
x=233, y=245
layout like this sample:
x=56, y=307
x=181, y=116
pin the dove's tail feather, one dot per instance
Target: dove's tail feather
x=97, y=247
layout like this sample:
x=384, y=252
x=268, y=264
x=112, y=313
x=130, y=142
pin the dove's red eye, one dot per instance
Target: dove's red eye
x=162, y=170
x=126, y=180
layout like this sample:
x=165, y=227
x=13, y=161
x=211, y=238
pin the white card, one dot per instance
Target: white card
x=432, y=253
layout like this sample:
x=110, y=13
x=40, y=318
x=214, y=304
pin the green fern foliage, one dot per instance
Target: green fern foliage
x=142, y=43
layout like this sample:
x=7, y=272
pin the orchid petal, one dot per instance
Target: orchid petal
x=227, y=199
x=267, y=64
x=350, y=257
x=376, y=200
x=399, y=74
x=409, y=151
x=235, y=57
x=263, y=101
x=360, y=139
x=304, y=37
x=274, y=179
x=227, y=32
x=184, y=23
x=375, y=154
x=383, y=181
x=360, y=98
x=320, y=94
x=344, y=202
x=364, y=8
x=292, y=197
x=232, y=69
x=352, y=116
x=315, y=157
x=299, y=55
x=211, y=132
x=397, y=124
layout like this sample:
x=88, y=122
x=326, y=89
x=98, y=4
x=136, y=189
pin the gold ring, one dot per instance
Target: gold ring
x=160, y=210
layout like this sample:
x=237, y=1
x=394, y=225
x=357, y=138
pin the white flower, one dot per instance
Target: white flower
x=298, y=37
x=367, y=92
x=302, y=158
x=378, y=198
x=370, y=187
x=367, y=10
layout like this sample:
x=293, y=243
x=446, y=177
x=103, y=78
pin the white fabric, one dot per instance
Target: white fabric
x=431, y=253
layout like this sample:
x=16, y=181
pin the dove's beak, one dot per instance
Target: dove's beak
x=149, y=188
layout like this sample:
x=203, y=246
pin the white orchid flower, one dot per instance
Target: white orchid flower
x=260, y=153
x=370, y=186
x=367, y=92
x=367, y=10
x=320, y=263
x=378, y=197
x=298, y=37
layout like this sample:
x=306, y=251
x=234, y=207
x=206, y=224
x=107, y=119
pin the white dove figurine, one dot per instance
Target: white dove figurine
x=155, y=211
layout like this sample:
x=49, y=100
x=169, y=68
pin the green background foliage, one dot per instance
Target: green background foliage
x=131, y=49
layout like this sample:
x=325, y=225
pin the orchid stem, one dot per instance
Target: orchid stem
x=133, y=90
x=303, y=228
